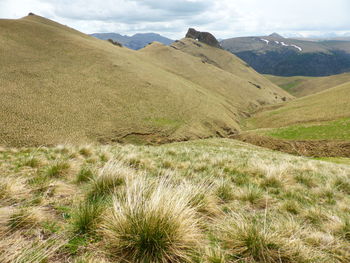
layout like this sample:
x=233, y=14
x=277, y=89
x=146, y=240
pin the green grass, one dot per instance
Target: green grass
x=301, y=86
x=324, y=115
x=338, y=160
x=334, y=130
x=290, y=86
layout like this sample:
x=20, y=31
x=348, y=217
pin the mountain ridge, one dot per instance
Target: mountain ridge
x=280, y=56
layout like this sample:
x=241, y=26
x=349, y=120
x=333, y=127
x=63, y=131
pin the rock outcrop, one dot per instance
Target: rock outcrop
x=203, y=37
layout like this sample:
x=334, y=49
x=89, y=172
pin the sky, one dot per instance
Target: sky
x=172, y=18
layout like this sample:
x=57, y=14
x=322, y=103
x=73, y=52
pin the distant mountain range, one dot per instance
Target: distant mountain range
x=136, y=41
x=281, y=56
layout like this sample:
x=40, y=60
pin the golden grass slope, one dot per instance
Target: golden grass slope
x=301, y=86
x=241, y=88
x=59, y=85
x=331, y=104
x=226, y=61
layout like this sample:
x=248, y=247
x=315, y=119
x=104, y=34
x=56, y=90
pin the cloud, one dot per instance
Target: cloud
x=225, y=18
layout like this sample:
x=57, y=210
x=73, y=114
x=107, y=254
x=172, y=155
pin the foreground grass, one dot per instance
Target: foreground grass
x=211, y=200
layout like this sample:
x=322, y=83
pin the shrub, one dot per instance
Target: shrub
x=116, y=43
x=152, y=223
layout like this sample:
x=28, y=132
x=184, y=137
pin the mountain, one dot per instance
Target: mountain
x=61, y=86
x=281, y=56
x=136, y=41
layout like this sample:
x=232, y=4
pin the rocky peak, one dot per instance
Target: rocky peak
x=204, y=37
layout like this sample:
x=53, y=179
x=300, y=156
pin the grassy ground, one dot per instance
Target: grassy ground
x=211, y=200
x=333, y=130
x=59, y=85
x=330, y=111
x=300, y=86
x=338, y=160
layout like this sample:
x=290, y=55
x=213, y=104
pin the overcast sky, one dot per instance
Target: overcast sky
x=224, y=18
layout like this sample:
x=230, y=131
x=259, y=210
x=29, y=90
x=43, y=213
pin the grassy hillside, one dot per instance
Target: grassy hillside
x=300, y=86
x=59, y=85
x=324, y=115
x=216, y=72
x=214, y=200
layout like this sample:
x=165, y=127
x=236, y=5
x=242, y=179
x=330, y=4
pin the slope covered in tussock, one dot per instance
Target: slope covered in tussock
x=226, y=61
x=59, y=85
x=221, y=74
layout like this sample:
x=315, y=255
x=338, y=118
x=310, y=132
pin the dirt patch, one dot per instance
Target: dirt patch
x=319, y=148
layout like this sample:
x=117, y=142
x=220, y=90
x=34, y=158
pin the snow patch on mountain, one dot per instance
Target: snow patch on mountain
x=289, y=45
x=297, y=47
x=265, y=40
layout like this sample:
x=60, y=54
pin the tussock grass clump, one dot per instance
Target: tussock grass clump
x=272, y=182
x=291, y=206
x=152, y=223
x=13, y=189
x=252, y=194
x=15, y=248
x=342, y=184
x=87, y=216
x=58, y=169
x=225, y=191
x=109, y=178
x=316, y=216
x=32, y=162
x=85, y=151
x=25, y=218
x=202, y=198
x=250, y=240
x=215, y=255
x=85, y=174
x=344, y=229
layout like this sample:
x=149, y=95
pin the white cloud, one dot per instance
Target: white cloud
x=225, y=18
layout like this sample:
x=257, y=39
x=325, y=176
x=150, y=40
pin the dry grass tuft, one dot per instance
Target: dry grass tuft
x=250, y=240
x=152, y=222
x=110, y=177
